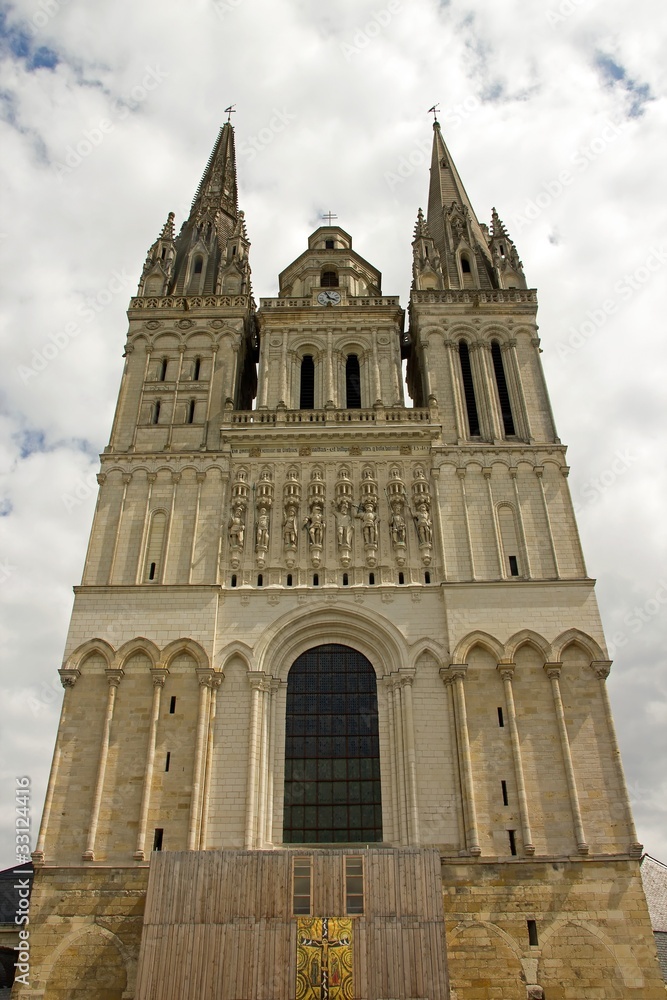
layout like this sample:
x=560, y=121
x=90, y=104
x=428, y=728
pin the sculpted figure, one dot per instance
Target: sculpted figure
x=236, y=528
x=262, y=531
x=343, y=515
x=289, y=527
x=397, y=526
x=315, y=524
x=424, y=525
x=369, y=523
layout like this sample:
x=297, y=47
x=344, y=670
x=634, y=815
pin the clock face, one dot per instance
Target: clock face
x=329, y=298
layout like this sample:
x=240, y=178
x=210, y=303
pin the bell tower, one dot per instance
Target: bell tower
x=335, y=720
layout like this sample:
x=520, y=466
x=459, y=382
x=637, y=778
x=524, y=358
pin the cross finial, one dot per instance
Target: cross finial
x=434, y=111
x=231, y=110
x=329, y=216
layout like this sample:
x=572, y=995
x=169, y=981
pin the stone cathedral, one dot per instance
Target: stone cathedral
x=335, y=721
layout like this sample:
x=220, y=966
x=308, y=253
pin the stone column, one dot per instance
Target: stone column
x=204, y=676
x=457, y=392
x=496, y=424
x=435, y=475
x=283, y=369
x=494, y=523
x=175, y=480
x=456, y=674
x=209, y=395
x=400, y=760
x=114, y=678
x=410, y=756
x=68, y=679
x=143, y=389
x=602, y=668
x=159, y=675
x=539, y=472
x=127, y=478
x=376, y=368
x=553, y=673
x=265, y=712
x=391, y=742
x=519, y=516
x=200, y=477
x=515, y=390
x=461, y=473
x=174, y=412
x=426, y=369
x=506, y=671
x=141, y=564
x=215, y=682
x=256, y=680
x=330, y=395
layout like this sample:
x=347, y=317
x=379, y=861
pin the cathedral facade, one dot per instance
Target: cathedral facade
x=335, y=721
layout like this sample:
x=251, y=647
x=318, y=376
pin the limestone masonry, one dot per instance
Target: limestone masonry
x=334, y=658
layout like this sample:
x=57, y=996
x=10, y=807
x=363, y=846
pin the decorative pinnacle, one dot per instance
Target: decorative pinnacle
x=421, y=229
x=167, y=232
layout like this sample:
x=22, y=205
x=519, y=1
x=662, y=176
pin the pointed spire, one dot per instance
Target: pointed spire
x=506, y=261
x=218, y=189
x=453, y=223
x=421, y=227
x=159, y=261
x=168, y=232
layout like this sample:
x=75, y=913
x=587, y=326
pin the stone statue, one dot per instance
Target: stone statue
x=424, y=525
x=369, y=523
x=289, y=527
x=237, y=528
x=315, y=524
x=397, y=525
x=262, y=530
x=344, y=525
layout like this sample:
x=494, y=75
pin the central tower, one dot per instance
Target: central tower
x=335, y=715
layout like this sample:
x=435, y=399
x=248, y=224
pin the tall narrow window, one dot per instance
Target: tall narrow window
x=199, y=261
x=503, y=393
x=332, y=749
x=352, y=383
x=465, y=264
x=155, y=546
x=468, y=389
x=196, y=370
x=509, y=539
x=329, y=279
x=307, y=397
x=157, y=839
x=163, y=369
x=328, y=244
x=302, y=878
x=191, y=411
x=354, y=885
x=156, y=412
x=172, y=704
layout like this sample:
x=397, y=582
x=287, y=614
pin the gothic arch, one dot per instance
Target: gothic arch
x=368, y=632
x=426, y=647
x=138, y=645
x=178, y=646
x=81, y=653
x=526, y=637
x=507, y=939
x=477, y=638
x=575, y=635
x=239, y=649
x=628, y=966
x=74, y=939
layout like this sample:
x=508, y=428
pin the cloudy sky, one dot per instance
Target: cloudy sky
x=554, y=111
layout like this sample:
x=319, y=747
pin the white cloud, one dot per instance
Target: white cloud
x=536, y=94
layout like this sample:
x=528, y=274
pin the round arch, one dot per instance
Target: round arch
x=367, y=632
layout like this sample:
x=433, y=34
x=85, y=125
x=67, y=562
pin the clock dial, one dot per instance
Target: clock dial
x=328, y=298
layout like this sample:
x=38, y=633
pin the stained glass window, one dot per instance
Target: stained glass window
x=332, y=751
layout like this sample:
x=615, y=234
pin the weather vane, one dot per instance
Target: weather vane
x=434, y=111
x=329, y=216
x=231, y=110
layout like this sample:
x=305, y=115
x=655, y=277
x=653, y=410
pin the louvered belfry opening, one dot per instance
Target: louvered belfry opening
x=307, y=394
x=503, y=392
x=469, y=389
x=332, y=749
x=352, y=383
x=329, y=279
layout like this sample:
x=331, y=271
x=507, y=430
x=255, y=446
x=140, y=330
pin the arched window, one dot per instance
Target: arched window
x=163, y=369
x=155, y=547
x=307, y=395
x=332, y=749
x=468, y=389
x=501, y=383
x=352, y=383
x=465, y=264
x=199, y=262
x=196, y=370
x=329, y=279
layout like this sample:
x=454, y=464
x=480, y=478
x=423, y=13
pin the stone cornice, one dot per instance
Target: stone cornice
x=190, y=303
